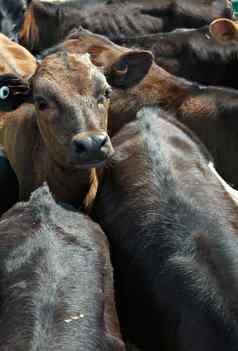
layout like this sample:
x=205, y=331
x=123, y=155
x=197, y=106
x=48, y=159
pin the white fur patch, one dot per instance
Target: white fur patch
x=232, y=192
x=86, y=58
x=94, y=71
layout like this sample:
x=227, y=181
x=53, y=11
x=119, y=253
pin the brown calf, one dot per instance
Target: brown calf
x=209, y=111
x=14, y=59
x=62, y=136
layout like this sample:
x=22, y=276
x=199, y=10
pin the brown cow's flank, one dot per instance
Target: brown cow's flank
x=15, y=59
x=158, y=88
x=198, y=105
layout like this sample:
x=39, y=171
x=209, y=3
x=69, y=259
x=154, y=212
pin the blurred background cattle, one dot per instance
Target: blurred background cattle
x=128, y=110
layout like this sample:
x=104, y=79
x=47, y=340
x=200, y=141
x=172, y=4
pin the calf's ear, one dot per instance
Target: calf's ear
x=130, y=69
x=13, y=92
x=224, y=30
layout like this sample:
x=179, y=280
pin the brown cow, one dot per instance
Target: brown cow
x=14, y=59
x=56, y=280
x=209, y=111
x=61, y=137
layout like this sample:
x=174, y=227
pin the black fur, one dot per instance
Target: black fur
x=11, y=16
x=173, y=234
x=55, y=279
x=115, y=20
x=193, y=54
x=9, y=187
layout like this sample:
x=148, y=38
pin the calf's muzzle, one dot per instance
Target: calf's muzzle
x=91, y=148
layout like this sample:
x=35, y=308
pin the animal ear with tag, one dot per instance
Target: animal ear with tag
x=130, y=69
x=13, y=92
x=224, y=30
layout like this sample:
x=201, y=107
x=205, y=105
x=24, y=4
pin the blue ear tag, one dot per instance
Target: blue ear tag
x=235, y=8
x=4, y=92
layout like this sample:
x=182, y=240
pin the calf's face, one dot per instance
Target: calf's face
x=126, y=71
x=71, y=97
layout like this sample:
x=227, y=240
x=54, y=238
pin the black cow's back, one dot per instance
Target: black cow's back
x=172, y=230
x=56, y=280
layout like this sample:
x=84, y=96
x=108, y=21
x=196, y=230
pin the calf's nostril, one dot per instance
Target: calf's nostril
x=104, y=141
x=101, y=140
x=80, y=146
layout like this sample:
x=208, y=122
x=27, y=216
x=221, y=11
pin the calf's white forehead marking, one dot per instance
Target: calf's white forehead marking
x=93, y=70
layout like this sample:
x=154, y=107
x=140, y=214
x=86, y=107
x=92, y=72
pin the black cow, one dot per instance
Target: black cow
x=11, y=16
x=193, y=54
x=56, y=280
x=12, y=13
x=40, y=20
x=173, y=234
x=9, y=187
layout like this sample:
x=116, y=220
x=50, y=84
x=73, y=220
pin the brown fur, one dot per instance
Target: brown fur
x=91, y=195
x=14, y=58
x=38, y=143
x=210, y=112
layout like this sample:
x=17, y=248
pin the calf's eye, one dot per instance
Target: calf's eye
x=108, y=92
x=106, y=95
x=41, y=103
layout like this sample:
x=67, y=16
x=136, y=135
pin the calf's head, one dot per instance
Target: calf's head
x=125, y=69
x=71, y=98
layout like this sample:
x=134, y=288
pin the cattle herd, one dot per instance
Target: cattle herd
x=118, y=175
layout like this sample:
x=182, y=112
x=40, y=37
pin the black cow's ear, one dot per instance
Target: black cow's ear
x=13, y=92
x=130, y=69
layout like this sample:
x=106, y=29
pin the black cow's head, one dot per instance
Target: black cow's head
x=11, y=16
